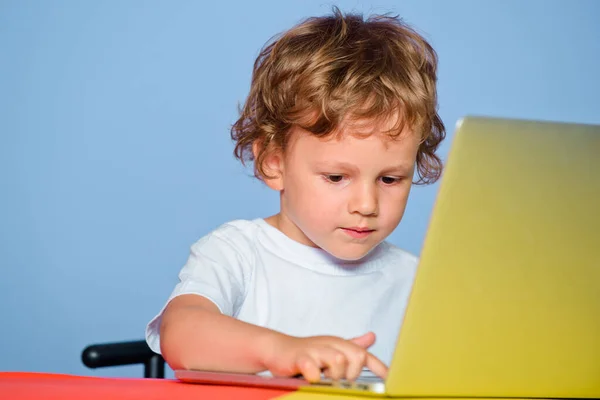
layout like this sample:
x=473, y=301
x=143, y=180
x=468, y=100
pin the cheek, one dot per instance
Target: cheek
x=316, y=202
x=395, y=205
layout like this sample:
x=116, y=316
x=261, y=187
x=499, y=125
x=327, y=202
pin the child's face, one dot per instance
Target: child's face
x=345, y=194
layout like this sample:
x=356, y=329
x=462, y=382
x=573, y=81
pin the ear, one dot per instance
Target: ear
x=272, y=166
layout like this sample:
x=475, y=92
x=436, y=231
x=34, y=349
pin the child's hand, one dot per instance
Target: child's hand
x=338, y=358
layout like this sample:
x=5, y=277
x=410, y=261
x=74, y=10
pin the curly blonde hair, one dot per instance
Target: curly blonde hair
x=326, y=69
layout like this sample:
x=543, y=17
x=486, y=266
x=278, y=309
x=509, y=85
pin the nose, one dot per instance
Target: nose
x=364, y=200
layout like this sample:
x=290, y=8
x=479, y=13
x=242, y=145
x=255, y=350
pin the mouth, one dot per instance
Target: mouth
x=358, y=232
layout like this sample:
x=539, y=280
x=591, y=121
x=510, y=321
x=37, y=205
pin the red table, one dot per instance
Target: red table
x=25, y=385
x=43, y=386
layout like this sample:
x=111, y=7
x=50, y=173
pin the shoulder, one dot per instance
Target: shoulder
x=236, y=233
x=226, y=254
x=239, y=229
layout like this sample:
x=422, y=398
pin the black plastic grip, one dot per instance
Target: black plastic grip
x=124, y=353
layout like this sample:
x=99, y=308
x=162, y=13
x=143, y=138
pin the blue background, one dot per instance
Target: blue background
x=115, y=153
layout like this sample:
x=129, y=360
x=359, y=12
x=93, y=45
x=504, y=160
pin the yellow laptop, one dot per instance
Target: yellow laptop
x=506, y=301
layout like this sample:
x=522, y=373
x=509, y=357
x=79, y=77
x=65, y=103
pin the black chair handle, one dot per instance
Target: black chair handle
x=124, y=353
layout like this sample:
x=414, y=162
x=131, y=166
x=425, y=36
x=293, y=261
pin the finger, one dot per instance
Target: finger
x=356, y=361
x=356, y=357
x=334, y=362
x=376, y=366
x=365, y=341
x=309, y=368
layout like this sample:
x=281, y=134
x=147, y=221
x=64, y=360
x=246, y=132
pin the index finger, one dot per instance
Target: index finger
x=376, y=366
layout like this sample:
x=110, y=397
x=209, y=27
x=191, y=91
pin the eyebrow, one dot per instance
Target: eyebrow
x=400, y=168
x=336, y=165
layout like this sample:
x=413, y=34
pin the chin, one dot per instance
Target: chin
x=355, y=255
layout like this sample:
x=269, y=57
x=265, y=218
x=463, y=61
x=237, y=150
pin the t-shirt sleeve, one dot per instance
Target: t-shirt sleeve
x=218, y=268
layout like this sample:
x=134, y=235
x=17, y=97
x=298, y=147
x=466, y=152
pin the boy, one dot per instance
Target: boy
x=340, y=112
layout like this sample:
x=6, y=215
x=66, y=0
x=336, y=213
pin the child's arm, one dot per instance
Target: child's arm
x=195, y=335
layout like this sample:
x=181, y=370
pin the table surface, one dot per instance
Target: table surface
x=45, y=386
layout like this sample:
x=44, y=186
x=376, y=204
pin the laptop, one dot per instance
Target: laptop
x=506, y=300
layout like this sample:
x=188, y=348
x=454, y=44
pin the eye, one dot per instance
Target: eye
x=389, y=180
x=334, y=178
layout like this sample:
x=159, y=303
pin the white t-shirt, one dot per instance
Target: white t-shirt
x=255, y=273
